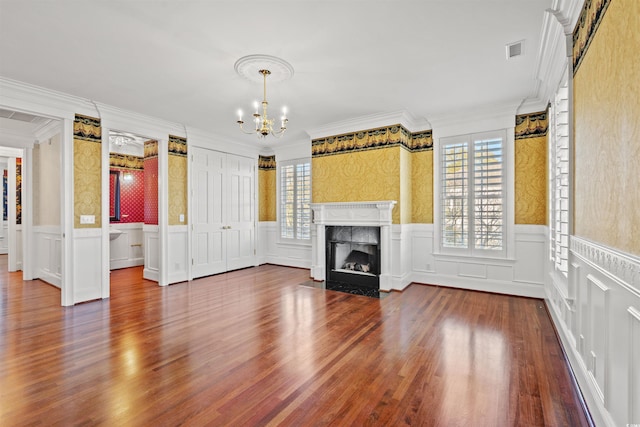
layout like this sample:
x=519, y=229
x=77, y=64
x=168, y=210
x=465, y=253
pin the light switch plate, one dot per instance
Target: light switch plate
x=181, y=217
x=87, y=219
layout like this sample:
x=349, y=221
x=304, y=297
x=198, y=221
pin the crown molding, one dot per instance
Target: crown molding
x=11, y=152
x=555, y=49
x=404, y=118
x=489, y=117
x=47, y=130
x=204, y=139
x=27, y=98
x=129, y=121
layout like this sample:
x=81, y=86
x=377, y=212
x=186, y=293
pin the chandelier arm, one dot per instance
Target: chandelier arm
x=240, y=122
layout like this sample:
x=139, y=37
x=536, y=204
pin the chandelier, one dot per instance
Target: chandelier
x=263, y=124
x=120, y=140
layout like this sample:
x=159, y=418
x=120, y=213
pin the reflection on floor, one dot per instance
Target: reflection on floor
x=347, y=288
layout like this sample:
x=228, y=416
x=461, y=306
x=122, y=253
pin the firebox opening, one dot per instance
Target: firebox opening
x=353, y=254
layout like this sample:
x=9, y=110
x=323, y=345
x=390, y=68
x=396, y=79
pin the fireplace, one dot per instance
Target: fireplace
x=353, y=254
x=352, y=242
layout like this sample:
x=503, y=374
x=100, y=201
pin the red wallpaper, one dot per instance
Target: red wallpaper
x=151, y=190
x=131, y=195
x=112, y=184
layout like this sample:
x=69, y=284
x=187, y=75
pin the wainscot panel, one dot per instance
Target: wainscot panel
x=48, y=262
x=271, y=251
x=522, y=275
x=598, y=320
x=151, y=269
x=87, y=267
x=178, y=253
x=126, y=249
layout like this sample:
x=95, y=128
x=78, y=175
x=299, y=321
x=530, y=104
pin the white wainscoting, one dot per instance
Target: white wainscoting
x=87, y=265
x=48, y=261
x=522, y=275
x=17, y=254
x=401, y=256
x=4, y=238
x=597, y=314
x=151, y=235
x=126, y=250
x=413, y=260
x=271, y=251
x=178, y=253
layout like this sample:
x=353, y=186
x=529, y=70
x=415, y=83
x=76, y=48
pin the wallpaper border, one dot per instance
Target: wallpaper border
x=150, y=149
x=87, y=128
x=592, y=13
x=531, y=125
x=266, y=162
x=125, y=161
x=372, y=139
x=177, y=146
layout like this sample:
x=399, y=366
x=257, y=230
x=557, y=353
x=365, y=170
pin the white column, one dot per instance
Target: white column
x=385, y=255
x=29, y=253
x=163, y=211
x=66, y=214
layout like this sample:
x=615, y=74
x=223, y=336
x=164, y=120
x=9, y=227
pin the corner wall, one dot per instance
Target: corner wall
x=598, y=316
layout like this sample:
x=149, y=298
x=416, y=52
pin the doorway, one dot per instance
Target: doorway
x=128, y=205
x=30, y=161
x=223, y=212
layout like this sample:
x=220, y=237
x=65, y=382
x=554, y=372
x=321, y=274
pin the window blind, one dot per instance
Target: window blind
x=472, y=201
x=295, y=200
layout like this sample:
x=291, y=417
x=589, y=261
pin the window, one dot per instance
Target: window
x=295, y=200
x=559, y=180
x=473, y=193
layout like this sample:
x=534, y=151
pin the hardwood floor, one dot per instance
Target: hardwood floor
x=254, y=347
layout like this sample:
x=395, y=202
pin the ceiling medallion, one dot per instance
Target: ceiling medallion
x=256, y=68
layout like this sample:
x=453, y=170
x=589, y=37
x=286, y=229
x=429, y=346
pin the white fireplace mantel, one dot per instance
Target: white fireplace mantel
x=372, y=214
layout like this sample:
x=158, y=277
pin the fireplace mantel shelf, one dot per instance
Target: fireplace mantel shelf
x=376, y=213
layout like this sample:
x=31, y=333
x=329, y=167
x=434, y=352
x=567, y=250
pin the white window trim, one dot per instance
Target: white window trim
x=507, y=252
x=560, y=274
x=284, y=240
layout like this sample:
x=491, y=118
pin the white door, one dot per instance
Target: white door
x=208, y=238
x=223, y=212
x=240, y=213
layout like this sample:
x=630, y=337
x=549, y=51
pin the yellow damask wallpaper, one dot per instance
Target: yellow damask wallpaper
x=87, y=170
x=531, y=180
x=422, y=187
x=177, y=189
x=358, y=176
x=267, y=194
x=607, y=132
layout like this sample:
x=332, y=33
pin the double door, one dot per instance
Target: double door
x=223, y=206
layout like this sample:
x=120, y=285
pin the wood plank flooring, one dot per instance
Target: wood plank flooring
x=254, y=347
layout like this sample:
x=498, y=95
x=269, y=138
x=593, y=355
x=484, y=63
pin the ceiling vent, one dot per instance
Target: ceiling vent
x=515, y=49
x=23, y=117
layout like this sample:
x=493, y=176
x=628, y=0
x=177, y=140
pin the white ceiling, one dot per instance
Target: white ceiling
x=175, y=59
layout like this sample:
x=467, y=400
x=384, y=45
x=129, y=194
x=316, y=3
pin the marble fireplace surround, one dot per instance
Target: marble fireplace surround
x=369, y=214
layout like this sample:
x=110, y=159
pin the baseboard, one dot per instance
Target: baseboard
x=523, y=289
x=153, y=275
x=125, y=263
x=50, y=278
